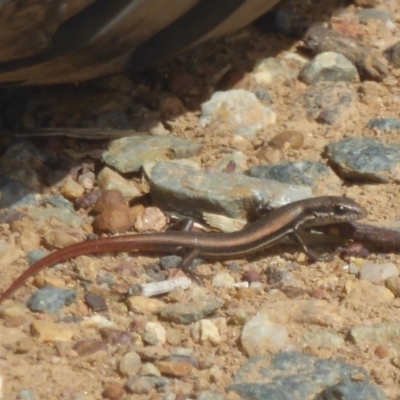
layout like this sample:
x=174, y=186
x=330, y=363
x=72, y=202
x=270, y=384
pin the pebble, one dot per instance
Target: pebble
x=237, y=111
x=59, y=202
x=175, y=366
x=15, y=194
x=182, y=188
x=26, y=395
x=51, y=332
x=113, y=391
x=107, y=179
x=140, y=384
x=260, y=336
x=319, y=39
x=88, y=347
x=130, y=153
x=144, y=305
x=130, y=364
x=327, y=340
x=64, y=216
x=377, y=273
x=384, y=124
x=223, y=279
x=292, y=139
x=208, y=395
x=116, y=219
x=269, y=70
x=149, y=369
x=152, y=219
x=51, y=299
x=186, y=313
x=393, y=284
x=107, y=199
x=358, y=291
x=171, y=106
x=96, y=302
x=328, y=102
x=365, y=159
x=204, y=331
x=328, y=66
x=292, y=375
x=58, y=238
x=154, y=334
x=152, y=353
x=387, y=333
x=374, y=13
x=170, y=262
x=71, y=189
x=392, y=54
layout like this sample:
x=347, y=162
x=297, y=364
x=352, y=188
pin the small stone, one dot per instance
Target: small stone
x=328, y=340
x=108, y=179
x=51, y=299
x=223, y=279
x=116, y=219
x=260, y=336
x=393, y=284
x=269, y=70
x=71, y=189
x=108, y=198
x=392, y=54
x=377, y=273
x=130, y=364
x=13, y=311
x=48, y=331
x=152, y=219
x=154, y=334
x=176, y=367
x=328, y=66
x=149, y=369
x=113, y=391
x=205, y=331
x=358, y=291
x=140, y=384
x=96, y=302
x=87, y=180
x=144, y=305
x=171, y=106
x=292, y=139
x=385, y=124
x=186, y=313
x=60, y=238
x=251, y=276
x=88, y=347
x=236, y=111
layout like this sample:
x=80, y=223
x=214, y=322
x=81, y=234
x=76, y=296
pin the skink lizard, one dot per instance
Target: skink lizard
x=280, y=223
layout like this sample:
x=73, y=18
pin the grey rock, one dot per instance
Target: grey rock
x=366, y=14
x=59, y=202
x=385, y=124
x=328, y=66
x=35, y=255
x=392, y=54
x=263, y=94
x=352, y=391
x=191, y=192
x=208, y=395
x=51, y=299
x=296, y=376
x=377, y=273
x=298, y=173
x=186, y=313
x=237, y=111
x=14, y=194
x=328, y=340
x=67, y=217
x=365, y=159
x=387, y=333
x=130, y=153
x=328, y=102
x=23, y=152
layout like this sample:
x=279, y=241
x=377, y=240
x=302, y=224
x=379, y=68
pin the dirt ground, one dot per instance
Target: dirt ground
x=55, y=370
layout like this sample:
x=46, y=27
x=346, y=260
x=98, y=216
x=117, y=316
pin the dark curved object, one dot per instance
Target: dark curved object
x=53, y=42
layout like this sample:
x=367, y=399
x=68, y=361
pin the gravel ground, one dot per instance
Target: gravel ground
x=329, y=100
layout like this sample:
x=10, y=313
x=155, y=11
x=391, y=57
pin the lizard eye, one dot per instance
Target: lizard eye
x=340, y=209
